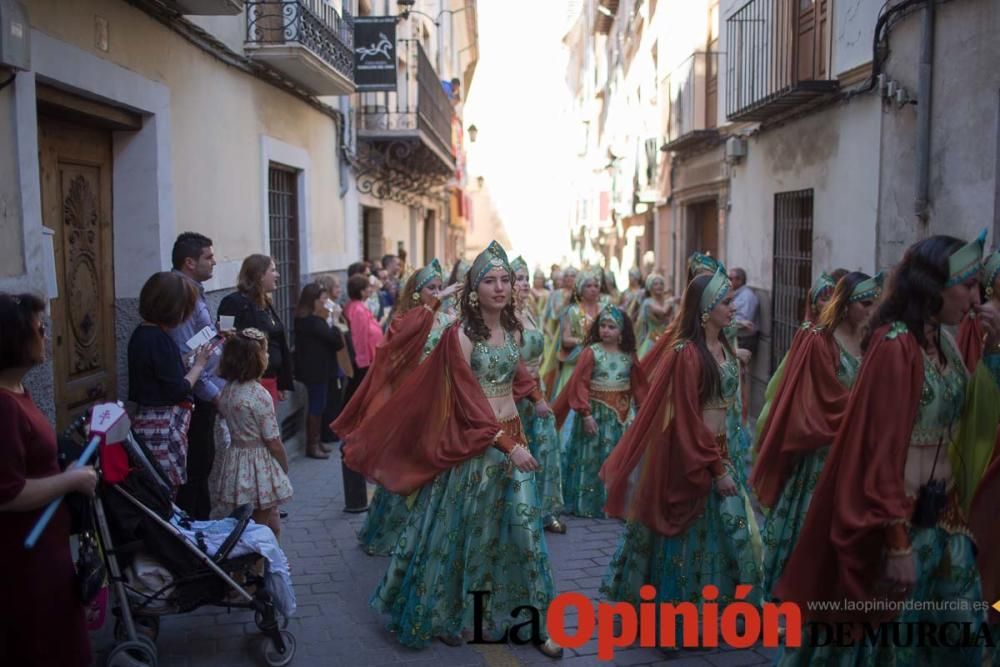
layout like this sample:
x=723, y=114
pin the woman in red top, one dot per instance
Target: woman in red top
x=366, y=333
x=41, y=620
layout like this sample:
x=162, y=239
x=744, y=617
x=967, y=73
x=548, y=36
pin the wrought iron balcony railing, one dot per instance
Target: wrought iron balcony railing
x=419, y=108
x=307, y=40
x=777, y=57
x=691, y=91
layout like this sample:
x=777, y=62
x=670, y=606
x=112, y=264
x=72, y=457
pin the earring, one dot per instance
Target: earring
x=415, y=296
x=704, y=319
x=474, y=299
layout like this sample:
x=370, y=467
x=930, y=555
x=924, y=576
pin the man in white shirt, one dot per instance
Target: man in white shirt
x=747, y=311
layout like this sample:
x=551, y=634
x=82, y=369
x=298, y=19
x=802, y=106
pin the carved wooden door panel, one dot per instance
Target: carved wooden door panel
x=75, y=169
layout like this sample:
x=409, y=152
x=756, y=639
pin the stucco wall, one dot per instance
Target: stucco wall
x=834, y=153
x=964, y=128
x=217, y=116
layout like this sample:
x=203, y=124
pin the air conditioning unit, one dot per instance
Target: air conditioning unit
x=736, y=149
x=15, y=35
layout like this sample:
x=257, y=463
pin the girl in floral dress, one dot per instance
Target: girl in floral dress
x=254, y=468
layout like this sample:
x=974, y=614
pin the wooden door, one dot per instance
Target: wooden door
x=75, y=169
x=813, y=40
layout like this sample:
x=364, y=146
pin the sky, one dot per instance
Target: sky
x=518, y=102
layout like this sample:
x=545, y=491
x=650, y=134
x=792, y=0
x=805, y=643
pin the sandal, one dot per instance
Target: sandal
x=451, y=640
x=556, y=526
x=550, y=649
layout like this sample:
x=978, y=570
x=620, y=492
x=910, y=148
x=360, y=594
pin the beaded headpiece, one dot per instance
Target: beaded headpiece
x=494, y=257
x=519, y=264
x=699, y=262
x=867, y=290
x=966, y=261
x=582, y=277
x=823, y=283
x=652, y=278
x=614, y=314
x=427, y=274
x=988, y=273
x=715, y=290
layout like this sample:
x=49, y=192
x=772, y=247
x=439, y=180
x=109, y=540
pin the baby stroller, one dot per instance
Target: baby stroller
x=134, y=517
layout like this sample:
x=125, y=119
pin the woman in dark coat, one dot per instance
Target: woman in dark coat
x=251, y=306
x=316, y=348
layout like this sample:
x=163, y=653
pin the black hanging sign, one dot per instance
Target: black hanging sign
x=375, y=53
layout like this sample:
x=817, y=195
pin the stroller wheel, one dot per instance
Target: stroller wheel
x=133, y=654
x=280, y=619
x=146, y=627
x=276, y=658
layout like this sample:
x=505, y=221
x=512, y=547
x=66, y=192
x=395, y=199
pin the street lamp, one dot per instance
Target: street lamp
x=473, y=131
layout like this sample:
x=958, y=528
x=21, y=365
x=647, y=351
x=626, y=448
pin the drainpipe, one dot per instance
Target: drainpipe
x=925, y=77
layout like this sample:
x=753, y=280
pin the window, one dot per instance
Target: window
x=283, y=223
x=793, y=239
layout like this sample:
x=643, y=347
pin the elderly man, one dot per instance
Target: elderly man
x=747, y=311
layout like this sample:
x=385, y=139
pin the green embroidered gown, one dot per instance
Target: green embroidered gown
x=584, y=454
x=543, y=440
x=946, y=569
x=782, y=525
x=388, y=512
x=476, y=527
x=721, y=547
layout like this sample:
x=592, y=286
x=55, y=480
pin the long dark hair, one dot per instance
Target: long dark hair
x=835, y=310
x=687, y=327
x=627, y=344
x=914, y=293
x=472, y=320
x=307, y=299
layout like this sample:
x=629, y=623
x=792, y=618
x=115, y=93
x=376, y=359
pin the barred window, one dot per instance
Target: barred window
x=283, y=222
x=793, y=242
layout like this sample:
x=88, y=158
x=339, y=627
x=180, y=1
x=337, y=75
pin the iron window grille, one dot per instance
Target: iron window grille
x=283, y=224
x=793, y=242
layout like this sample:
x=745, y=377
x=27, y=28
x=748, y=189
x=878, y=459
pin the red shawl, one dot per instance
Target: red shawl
x=438, y=418
x=395, y=357
x=861, y=489
x=804, y=416
x=576, y=394
x=970, y=341
x=673, y=448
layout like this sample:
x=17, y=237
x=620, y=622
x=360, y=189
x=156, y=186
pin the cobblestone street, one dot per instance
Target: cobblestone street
x=333, y=581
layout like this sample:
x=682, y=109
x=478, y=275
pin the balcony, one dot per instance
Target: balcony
x=405, y=147
x=691, y=91
x=305, y=40
x=778, y=58
x=208, y=7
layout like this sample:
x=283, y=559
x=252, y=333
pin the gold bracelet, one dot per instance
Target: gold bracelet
x=899, y=553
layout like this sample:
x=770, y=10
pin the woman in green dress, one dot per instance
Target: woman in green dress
x=416, y=324
x=539, y=426
x=576, y=322
x=688, y=517
x=799, y=423
x=655, y=313
x=886, y=522
x=452, y=432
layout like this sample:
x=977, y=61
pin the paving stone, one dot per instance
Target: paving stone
x=334, y=580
